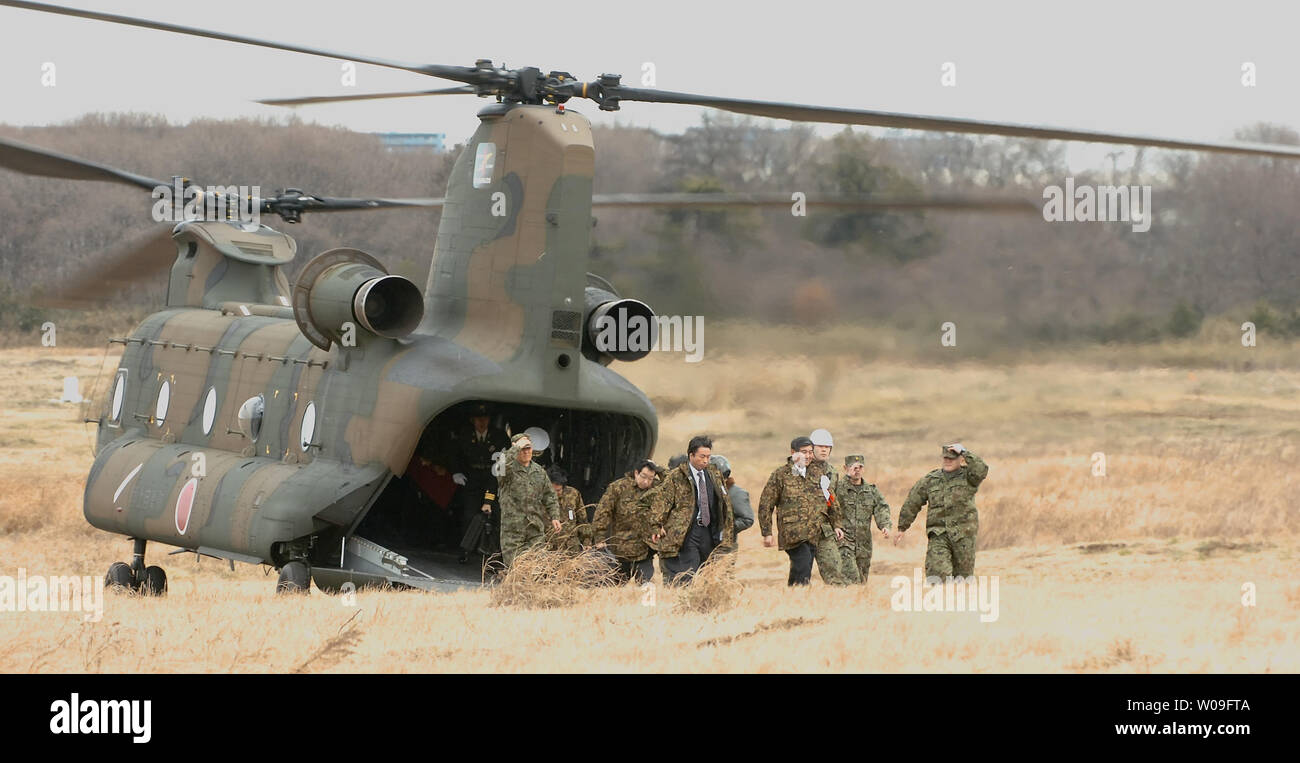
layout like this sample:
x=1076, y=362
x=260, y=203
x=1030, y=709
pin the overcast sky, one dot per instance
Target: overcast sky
x=1153, y=68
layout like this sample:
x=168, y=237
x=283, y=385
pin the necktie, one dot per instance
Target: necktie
x=703, y=498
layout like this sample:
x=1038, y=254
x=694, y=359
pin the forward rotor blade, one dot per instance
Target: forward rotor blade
x=111, y=274
x=327, y=204
x=31, y=160
x=802, y=113
x=457, y=73
x=863, y=203
x=464, y=89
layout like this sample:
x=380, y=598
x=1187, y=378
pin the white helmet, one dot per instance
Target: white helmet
x=539, y=438
x=821, y=437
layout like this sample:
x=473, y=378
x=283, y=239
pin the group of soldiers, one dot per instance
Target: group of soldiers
x=693, y=508
x=825, y=517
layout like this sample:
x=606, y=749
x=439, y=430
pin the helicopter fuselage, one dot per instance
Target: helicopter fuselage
x=175, y=465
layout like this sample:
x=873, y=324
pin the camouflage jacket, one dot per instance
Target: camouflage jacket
x=621, y=521
x=800, y=508
x=528, y=502
x=573, y=516
x=671, y=505
x=860, y=503
x=951, y=498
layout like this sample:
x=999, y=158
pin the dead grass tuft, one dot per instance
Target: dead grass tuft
x=543, y=578
x=335, y=648
x=713, y=588
x=1121, y=651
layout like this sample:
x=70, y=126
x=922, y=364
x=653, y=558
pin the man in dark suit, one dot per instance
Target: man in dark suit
x=691, y=512
x=473, y=448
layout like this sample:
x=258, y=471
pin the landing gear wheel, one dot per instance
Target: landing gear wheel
x=155, y=582
x=294, y=578
x=119, y=577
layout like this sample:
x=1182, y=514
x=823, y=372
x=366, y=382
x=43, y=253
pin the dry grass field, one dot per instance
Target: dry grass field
x=1139, y=570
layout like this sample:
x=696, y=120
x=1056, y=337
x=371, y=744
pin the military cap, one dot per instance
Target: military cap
x=518, y=437
x=480, y=409
x=800, y=442
x=722, y=463
x=851, y=460
x=948, y=452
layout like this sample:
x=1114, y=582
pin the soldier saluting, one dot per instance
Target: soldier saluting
x=528, y=502
x=952, y=521
x=794, y=493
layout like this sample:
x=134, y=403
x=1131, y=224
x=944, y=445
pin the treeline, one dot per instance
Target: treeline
x=1222, y=241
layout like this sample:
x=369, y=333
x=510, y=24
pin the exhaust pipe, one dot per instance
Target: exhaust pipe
x=617, y=328
x=349, y=286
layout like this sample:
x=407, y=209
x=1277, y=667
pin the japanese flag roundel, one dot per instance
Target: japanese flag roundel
x=184, y=502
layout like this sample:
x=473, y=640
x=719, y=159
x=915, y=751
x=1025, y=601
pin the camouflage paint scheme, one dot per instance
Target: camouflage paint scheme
x=487, y=334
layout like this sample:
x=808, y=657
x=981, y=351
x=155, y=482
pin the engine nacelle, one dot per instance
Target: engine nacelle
x=617, y=328
x=349, y=286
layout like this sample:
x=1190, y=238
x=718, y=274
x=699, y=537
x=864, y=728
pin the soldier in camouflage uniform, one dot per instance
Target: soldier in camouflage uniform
x=691, y=512
x=861, y=502
x=528, y=503
x=794, y=494
x=828, y=555
x=952, y=522
x=576, y=532
x=621, y=525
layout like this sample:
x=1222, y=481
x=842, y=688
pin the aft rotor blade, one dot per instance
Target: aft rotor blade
x=31, y=160
x=464, y=89
x=457, y=73
x=108, y=276
x=862, y=203
x=801, y=113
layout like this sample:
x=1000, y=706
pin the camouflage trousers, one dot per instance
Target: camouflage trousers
x=855, y=561
x=516, y=540
x=830, y=561
x=946, y=556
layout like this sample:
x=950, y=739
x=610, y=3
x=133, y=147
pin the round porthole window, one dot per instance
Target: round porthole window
x=250, y=417
x=119, y=393
x=209, y=410
x=164, y=400
x=308, y=429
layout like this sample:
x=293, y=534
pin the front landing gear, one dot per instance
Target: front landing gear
x=149, y=581
x=294, y=578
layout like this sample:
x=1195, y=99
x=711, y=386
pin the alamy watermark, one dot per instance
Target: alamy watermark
x=58, y=593
x=1102, y=203
x=976, y=593
x=618, y=332
x=179, y=202
x=103, y=716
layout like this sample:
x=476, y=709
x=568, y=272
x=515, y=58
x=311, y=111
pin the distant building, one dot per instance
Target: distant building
x=413, y=141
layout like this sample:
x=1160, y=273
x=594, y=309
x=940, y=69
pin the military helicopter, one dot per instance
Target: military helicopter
x=302, y=402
